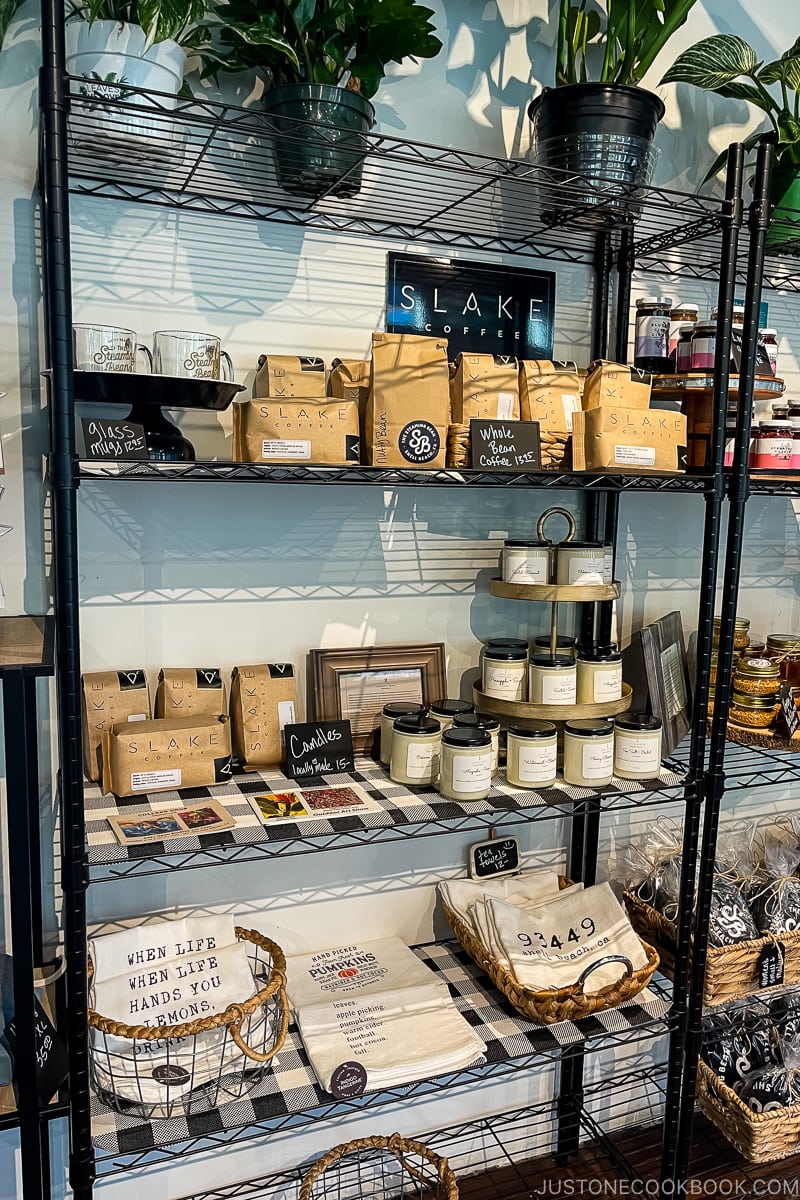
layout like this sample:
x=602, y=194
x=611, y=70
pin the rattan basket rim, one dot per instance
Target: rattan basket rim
x=728, y=1095
x=234, y=1014
x=718, y=953
x=396, y=1145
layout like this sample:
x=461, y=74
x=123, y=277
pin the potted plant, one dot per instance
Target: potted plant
x=727, y=65
x=597, y=123
x=321, y=62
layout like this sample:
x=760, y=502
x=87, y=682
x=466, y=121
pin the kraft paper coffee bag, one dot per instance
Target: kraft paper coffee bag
x=349, y=380
x=160, y=756
x=549, y=392
x=110, y=697
x=484, y=386
x=409, y=401
x=263, y=700
x=297, y=431
x=282, y=376
x=629, y=440
x=190, y=692
x=614, y=385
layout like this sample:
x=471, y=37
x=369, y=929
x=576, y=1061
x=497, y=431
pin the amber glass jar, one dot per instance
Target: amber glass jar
x=753, y=712
x=741, y=634
x=757, y=677
x=790, y=669
x=779, y=644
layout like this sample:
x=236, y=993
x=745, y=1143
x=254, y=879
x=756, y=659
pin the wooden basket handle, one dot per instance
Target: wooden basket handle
x=236, y=1029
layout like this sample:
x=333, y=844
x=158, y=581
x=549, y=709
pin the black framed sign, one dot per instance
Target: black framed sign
x=479, y=307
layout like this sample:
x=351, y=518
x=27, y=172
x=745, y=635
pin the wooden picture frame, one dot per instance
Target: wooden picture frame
x=354, y=684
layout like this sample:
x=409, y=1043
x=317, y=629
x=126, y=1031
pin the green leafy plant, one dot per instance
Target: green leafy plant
x=319, y=41
x=628, y=33
x=727, y=65
x=160, y=19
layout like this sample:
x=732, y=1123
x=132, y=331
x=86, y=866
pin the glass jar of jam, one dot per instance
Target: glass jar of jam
x=757, y=677
x=737, y=313
x=682, y=316
x=769, y=340
x=775, y=445
x=683, y=348
x=780, y=644
x=794, y=414
x=652, y=334
x=789, y=667
x=741, y=633
x=752, y=712
x=780, y=412
x=704, y=348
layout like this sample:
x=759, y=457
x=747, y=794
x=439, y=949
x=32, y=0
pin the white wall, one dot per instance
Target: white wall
x=170, y=574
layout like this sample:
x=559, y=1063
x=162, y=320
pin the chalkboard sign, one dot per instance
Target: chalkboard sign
x=770, y=965
x=51, y=1054
x=109, y=440
x=499, y=856
x=505, y=445
x=318, y=748
x=790, y=718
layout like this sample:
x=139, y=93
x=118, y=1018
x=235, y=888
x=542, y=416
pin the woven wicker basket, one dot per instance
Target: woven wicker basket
x=732, y=972
x=117, y=1048
x=551, y=1004
x=377, y=1168
x=556, y=448
x=759, y=1137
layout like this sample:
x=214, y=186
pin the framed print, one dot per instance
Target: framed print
x=354, y=684
x=655, y=666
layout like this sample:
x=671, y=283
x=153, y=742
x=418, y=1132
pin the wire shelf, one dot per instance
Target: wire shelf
x=199, y=155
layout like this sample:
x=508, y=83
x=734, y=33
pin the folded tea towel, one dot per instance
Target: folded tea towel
x=482, y=915
x=459, y=894
x=357, y=969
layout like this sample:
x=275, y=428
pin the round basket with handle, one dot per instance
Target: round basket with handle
x=165, y=1070
x=380, y=1168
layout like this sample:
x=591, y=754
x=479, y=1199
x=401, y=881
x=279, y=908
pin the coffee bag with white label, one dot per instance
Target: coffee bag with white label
x=349, y=380
x=190, y=692
x=263, y=700
x=109, y=697
x=549, y=392
x=161, y=756
x=484, y=386
x=409, y=401
x=282, y=376
x=297, y=431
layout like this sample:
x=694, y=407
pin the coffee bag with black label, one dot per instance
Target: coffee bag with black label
x=109, y=697
x=297, y=431
x=409, y=401
x=163, y=755
x=190, y=692
x=263, y=700
x=484, y=386
x=349, y=380
x=282, y=376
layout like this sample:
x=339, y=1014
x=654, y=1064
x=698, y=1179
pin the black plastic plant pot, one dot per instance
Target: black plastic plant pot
x=319, y=145
x=611, y=108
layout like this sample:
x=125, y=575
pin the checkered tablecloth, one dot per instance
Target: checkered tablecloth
x=398, y=806
x=291, y=1086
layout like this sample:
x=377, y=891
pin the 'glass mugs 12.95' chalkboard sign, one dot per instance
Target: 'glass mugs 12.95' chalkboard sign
x=480, y=309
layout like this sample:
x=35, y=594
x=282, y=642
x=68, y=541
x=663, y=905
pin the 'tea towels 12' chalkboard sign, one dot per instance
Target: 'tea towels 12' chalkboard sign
x=316, y=748
x=498, y=856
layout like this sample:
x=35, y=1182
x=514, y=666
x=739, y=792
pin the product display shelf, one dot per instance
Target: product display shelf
x=505, y=1141
x=551, y=593
x=390, y=476
x=204, y=156
x=290, y=1098
x=524, y=710
x=402, y=814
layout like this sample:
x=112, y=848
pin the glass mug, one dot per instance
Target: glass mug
x=190, y=355
x=106, y=348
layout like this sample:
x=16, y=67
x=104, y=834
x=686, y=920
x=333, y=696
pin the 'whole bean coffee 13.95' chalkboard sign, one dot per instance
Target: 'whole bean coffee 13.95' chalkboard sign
x=479, y=308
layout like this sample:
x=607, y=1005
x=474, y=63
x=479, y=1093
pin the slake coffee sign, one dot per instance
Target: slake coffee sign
x=479, y=308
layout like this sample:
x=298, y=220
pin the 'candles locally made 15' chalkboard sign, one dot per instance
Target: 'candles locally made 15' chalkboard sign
x=316, y=748
x=479, y=308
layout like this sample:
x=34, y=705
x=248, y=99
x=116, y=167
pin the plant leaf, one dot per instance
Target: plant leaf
x=8, y=10
x=713, y=62
x=749, y=143
x=746, y=91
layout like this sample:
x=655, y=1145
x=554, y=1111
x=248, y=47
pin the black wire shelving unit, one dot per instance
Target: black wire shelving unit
x=198, y=156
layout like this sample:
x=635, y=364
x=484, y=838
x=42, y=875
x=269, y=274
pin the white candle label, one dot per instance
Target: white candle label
x=472, y=772
x=558, y=689
x=505, y=682
x=523, y=568
x=278, y=448
x=598, y=761
x=143, y=781
x=537, y=764
x=589, y=570
x=607, y=685
x=638, y=754
x=422, y=760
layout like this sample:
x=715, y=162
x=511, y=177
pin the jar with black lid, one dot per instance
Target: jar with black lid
x=416, y=745
x=532, y=754
x=390, y=713
x=505, y=673
x=465, y=771
x=473, y=720
x=445, y=710
x=652, y=334
x=588, y=752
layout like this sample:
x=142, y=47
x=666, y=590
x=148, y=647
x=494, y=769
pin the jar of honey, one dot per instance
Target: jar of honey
x=757, y=677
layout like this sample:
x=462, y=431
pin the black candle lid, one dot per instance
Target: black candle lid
x=403, y=708
x=637, y=721
x=419, y=724
x=600, y=654
x=526, y=543
x=507, y=643
x=449, y=708
x=590, y=727
x=473, y=720
x=466, y=736
x=548, y=660
x=535, y=729
x=511, y=653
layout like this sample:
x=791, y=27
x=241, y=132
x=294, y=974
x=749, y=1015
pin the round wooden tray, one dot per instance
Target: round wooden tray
x=755, y=737
x=551, y=712
x=586, y=592
x=701, y=383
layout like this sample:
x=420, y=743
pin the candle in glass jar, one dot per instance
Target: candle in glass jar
x=391, y=713
x=588, y=563
x=637, y=746
x=552, y=680
x=526, y=562
x=532, y=754
x=589, y=752
x=491, y=725
x=599, y=676
x=416, y=745
x=466, y=763
x=505, y=673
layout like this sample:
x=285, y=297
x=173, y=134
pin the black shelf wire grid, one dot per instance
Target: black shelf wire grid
x=501, y=1142
x=290, y=1098
x=200, y=155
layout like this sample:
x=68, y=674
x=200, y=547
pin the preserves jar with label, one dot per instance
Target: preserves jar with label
x=465, y=771
x=588, y=752
x=391, y=713
x=769, y=340
x=652, y=334
x=599, y=677
x=683, y=349
x=552, y=680
x=775, y=445
x=416, y=743
x=532, y=755
x=682, y=316
x=475, y=720
x=505, y=673
x=637, y=746
x=737, y=314
x=526, y=561
x=580, y=563
x=704, y=348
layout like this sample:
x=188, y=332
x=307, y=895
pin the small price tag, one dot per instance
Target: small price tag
x=770, y=965
x=108, y=440
x=499, y=856
x=789, y=716
x=51, y=1053
x=505, y=445
x=348, y=1080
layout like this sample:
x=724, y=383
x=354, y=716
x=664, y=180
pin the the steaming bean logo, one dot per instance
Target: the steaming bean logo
x=419, y=441
x=115, y=355
x=201, y=363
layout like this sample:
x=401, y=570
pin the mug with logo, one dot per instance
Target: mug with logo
x=190, y=355
x=106, y=348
